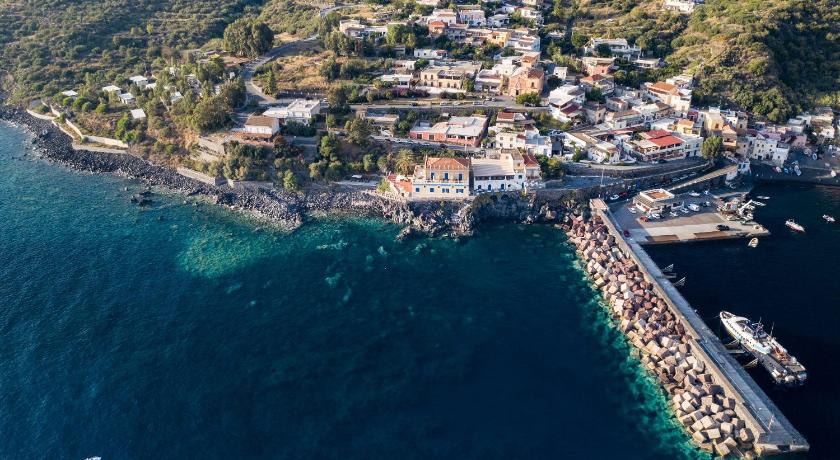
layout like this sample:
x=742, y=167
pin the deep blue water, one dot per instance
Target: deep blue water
x=187, y=331
x=790, y=282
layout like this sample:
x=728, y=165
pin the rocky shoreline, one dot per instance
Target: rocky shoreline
x=700, y=404
x=427, y=218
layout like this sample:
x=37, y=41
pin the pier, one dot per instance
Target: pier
x=774, y=434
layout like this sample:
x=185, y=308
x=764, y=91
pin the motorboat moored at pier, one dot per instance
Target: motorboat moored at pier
x=783, y=367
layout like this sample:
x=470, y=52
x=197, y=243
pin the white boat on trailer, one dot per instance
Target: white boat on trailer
x=783, y=367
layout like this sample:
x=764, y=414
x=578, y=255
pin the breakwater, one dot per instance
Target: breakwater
x=719, y=413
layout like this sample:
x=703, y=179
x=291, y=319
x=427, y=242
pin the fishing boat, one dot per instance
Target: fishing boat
x=783, y=367
x=828, y=218
x=763, y=197
x=753, y=243
x=791, y=224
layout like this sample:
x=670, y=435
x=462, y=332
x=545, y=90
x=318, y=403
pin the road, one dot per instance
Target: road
x=422, y=104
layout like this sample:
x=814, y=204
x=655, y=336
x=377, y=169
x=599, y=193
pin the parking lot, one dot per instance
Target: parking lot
x=685, y=226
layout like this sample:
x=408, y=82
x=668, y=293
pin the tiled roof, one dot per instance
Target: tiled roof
x=448, y=163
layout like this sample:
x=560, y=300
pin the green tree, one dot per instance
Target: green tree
x=209, y=114
x=101, y=108
x=358, y=131
x=712, y=147
x=528, y=99
x=579, y=40
x=603, y=50
x=271, y=83
x=290, y=181
x=337, y=100
x=369, y=162
x=247, y=37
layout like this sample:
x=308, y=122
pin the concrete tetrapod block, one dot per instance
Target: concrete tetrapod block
x=722, y=450
x=713, y=433
x=707, y=422
x=699, y=436
x=726, y=428
x=745, y=435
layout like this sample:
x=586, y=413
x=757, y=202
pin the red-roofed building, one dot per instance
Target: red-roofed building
x=657, y=145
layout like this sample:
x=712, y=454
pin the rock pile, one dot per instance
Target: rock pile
x=703, y=407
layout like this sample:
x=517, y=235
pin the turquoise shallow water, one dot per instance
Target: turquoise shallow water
x=186, y=331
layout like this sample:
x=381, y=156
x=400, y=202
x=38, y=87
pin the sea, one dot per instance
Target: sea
x=185, y=330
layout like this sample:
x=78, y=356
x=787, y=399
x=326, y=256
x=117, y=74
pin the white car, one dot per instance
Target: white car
x=654, y=215
x=613, y=197
x=632, y=210
x=695, y=194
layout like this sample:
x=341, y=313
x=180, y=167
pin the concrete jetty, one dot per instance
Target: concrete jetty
x=719, y=404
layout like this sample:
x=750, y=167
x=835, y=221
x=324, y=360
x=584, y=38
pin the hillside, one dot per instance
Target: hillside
x=772, y=57
x=50, y=45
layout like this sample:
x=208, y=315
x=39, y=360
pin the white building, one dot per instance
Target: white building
x=618, y=47
x=399, y=80
x=301, y=111
x=505, y=173
x=261, y=126
x=428, y=53
x=126, y=98
x=489, y=81
x=682, y=6
x=528, y=141
x=138, y=114
x=139, y=80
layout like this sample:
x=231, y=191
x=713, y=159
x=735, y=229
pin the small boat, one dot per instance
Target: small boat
x=763, y=197
x=753, y=243
x=791, y=224
x=828, y=218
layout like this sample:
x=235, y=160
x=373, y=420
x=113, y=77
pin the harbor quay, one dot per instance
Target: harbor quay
x=721, y=408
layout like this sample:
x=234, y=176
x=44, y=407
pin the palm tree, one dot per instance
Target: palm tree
x=405, y=161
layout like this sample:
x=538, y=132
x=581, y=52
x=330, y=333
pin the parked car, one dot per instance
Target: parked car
x=694, y=207
x=632, y=209
x=722, y=227
x=694, y=194
x=626, y=232
x=654, y=215
x=643, y=218
x=613, y=197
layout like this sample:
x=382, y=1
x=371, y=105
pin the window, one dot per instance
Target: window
x=431, y=190
x=432, y=176
x=446, y=176
x=417, y=189
x=478, y=188
x=460, y=190
x=444, y=190
x=460, y=176
x=519, y=176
